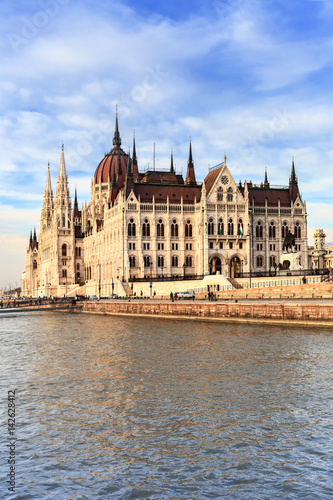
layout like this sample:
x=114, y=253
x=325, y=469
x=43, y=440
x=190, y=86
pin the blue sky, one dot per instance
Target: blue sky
x=253, y=79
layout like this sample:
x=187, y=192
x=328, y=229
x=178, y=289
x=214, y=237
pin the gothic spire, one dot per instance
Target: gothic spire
x=266, y=183
x=35, y=235
x=62, y=191
x=129, y=172
x=48, y=197
x=62, y=172
x=190, y=174
x=171, y=165
x=135, y=169
x=48, y=187
x=293, y=178
x=134, y=151
x=114, y=178
x=120, y=172
x=75, y=199
x=116, y=138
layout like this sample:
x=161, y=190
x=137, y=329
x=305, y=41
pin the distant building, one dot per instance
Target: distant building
x=154, y=223
x=320, y=255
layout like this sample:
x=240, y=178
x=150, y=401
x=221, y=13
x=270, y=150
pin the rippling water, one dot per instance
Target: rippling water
x=121, y=408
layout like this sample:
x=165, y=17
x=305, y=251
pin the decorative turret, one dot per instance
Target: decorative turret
x=62, y=190
x=47, y=211
x=190, y=174
x=62, y=202
x=266, y=183
x=33, y=243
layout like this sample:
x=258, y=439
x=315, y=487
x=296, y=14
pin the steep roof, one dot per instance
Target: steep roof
x=258, y=195
x=211, y=178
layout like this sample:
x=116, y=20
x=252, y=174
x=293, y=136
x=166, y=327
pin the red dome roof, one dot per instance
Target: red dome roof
x=110, y=164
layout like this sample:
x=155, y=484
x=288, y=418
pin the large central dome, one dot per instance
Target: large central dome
x=113, y=163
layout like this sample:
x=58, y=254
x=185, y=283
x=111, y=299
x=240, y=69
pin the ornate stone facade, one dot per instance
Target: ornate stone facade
x=156, y=224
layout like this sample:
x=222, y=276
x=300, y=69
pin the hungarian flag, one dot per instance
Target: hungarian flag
x=220, y=228
x=241, y=230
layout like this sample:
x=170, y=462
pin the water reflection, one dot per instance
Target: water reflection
x=143, y=408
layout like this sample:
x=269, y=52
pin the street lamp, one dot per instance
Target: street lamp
x=112, y=288
x=184, y=267
x=99, y=282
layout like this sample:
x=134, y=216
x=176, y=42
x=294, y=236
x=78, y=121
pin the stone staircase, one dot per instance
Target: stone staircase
x=234, y=283
x=126, y=288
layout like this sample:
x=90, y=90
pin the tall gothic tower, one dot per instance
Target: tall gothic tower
x=63, y=231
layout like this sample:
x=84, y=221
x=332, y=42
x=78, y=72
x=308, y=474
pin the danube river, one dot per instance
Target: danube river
x=133, y=408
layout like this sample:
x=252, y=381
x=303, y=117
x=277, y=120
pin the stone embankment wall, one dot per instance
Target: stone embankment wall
x=308, y=291
x=320, y=314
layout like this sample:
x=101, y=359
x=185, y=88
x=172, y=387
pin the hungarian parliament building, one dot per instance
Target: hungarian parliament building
x=154, y=224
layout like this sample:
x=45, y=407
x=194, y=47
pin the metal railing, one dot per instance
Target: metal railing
x=169, y=277
x=283, y=272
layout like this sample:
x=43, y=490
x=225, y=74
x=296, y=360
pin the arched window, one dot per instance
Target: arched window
x=146, y=228
x=78, y=267
x=272, y=261
x=240, y=229
x=272, y=231
x=131, y=228
x=229, y=194
x=64, y=250
x=259, y=230
x=210, y=226
x=284, y=229
x=34, y=266
x=174, y=229
x=220, y=194
x=260, y=261
x=63, y=221
x=220, y=227
x=174, y=261
x=230, y=228
x=188, y=261
x=160, y=261
x=160, y=228
x=146, y=261
x=64, y=273
x=297, y=232
x=188, y=229
x=132, y=261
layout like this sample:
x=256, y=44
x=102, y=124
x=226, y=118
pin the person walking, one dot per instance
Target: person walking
x=171, y=296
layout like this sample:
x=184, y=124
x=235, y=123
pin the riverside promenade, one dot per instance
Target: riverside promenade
x=308, y=305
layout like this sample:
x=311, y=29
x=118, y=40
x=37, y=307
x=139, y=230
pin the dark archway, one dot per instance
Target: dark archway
x=215, y=266
x=235, y=266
